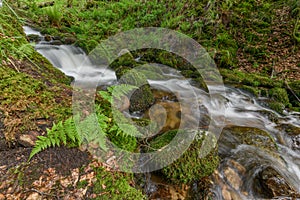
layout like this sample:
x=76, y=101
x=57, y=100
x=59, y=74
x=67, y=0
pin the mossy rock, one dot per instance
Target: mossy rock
x=142, y=98
x=189, y=167
x=276, y=106
x=280, y=95
x=151, y=72
x=238, y=77
x=114, y=185
x=126, y=59
x=232, y=136
x=253, y=90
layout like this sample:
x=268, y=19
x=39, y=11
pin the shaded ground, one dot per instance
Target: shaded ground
x=282, y=53
x=48, y=174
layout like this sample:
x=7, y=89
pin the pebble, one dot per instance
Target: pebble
x=2, y=197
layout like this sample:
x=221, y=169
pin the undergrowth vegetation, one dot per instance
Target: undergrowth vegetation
x=73, y=132
x=222, y=27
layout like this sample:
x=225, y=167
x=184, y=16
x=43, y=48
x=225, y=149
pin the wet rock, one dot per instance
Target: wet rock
x=69, y=40
x=232, y=136
x=289, y=129
x=296, y=142
x=270, y=115
x=225, y=191
x=158, y=188
x=271, y=184
x=122, y=104
x=47, y=38
x=56, y=42
x=233, y=178
x=161, y=95
x=292, y=136
x=33, y=38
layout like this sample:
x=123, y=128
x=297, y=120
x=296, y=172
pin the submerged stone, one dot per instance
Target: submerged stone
x=232, y=136
x=270, y=184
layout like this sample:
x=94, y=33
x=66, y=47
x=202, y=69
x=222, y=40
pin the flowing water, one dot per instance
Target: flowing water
x=243, y=165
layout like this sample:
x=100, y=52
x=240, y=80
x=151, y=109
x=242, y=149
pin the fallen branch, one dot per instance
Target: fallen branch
x=291, y=90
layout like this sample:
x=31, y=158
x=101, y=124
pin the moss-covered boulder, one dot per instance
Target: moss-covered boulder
x=190, y=166
x=114, y=186
x=142, y=98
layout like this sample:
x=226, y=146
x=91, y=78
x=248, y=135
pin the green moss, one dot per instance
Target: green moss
x=126, y=60
x=115, y=186
x=255, y=80
x=251, y=89
x=189, y=167
x=25, y=99
x=276, y=106
x=280, y=95
x=142, y=98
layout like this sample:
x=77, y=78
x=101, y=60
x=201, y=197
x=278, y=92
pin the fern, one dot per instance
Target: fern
x=121, y=124
x=89, y=129
x=61, y=133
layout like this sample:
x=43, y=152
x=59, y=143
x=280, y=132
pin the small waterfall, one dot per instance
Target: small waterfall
x=72, y=61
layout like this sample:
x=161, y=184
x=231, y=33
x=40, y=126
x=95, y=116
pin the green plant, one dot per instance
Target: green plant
x=119, y=130
x=54, y=14
x=61, y=133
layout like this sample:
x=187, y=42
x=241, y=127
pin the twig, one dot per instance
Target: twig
x=42, y=193
x=290, y=89
x=13, y=64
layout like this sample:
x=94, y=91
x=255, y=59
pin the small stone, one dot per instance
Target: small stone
x=2, y=197
x=34, y=196
x=56, y=42
x=233, y=178
x=69, y=40
x=28, y=140
x=47, y=38
x=241, y=169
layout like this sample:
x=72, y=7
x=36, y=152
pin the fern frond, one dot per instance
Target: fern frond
x=60, y=133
